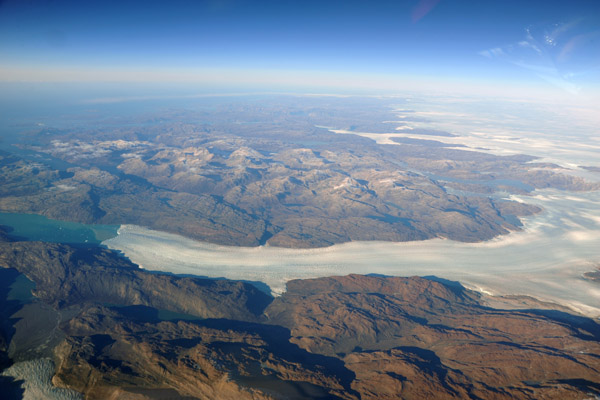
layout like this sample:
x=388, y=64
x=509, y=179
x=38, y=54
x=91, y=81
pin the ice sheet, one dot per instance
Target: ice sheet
x=546, y=260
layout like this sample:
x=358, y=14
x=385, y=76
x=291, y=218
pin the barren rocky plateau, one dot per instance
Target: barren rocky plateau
x=250, y=174
x=129, y=334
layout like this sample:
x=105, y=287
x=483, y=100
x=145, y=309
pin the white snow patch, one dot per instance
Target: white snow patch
x=37, y=380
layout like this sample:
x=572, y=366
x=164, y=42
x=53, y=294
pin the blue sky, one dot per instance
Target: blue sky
x=541, y=44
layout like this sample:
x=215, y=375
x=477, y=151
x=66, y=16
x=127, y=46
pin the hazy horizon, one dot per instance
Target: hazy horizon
x=534, y=49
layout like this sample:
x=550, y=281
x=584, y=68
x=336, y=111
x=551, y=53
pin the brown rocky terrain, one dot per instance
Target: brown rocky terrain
x=93, y=195
x=124, y=351
x=250, y=173
x=298, y=198
x=393, y=331
x=127, y=333
x=66, y=276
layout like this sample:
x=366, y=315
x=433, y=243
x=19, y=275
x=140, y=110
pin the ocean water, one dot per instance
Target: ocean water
x=35, y=227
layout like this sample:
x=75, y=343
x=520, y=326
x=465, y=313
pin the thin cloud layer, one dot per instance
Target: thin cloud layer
x=560, y=54
x=423, y=8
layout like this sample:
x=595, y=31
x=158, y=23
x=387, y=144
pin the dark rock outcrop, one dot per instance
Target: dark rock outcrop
x=66, y=275
x=417, y=338
x=130, y=334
